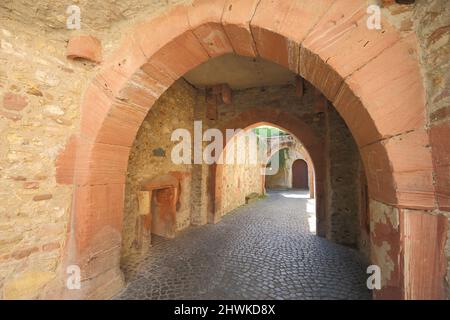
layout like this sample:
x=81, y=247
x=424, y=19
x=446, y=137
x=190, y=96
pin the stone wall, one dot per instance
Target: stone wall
x=344, y=189
x=150, y=156
x=432, y=26
x=252, y=102
x=430, y=21
x=39, y=110
x=40, y=96
x=240, y=179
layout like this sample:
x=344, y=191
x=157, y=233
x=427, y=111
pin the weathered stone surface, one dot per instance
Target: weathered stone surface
x=343, y=165
x=12, y=101
x=169, y=60
x=42, y=197
x=236, y=21
x=441, y=162
x=279, y=27
x=424, y=236
x=341, y=37
x=31, y=185
x=84, y=47
x=379, y=84
x=11, y=116
x=431, y=21
x=26, y=285
x=385, y=249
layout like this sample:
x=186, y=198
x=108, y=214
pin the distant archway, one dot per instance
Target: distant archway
x=296, y=127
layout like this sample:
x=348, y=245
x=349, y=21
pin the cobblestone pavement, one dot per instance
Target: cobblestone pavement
x=263, y=250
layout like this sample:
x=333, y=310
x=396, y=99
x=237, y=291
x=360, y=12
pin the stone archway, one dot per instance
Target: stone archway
x=375, y=85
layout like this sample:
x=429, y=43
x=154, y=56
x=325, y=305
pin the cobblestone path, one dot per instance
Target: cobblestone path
x=264, y=250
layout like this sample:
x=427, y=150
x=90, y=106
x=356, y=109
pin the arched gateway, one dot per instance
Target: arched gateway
x=375, y=85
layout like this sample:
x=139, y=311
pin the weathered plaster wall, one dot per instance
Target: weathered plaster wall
x=150, y=156
x=393, y=250
x=364, y=241
x=39, y=110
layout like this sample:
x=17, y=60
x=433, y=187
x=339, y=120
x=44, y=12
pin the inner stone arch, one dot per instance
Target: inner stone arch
x=209, y=192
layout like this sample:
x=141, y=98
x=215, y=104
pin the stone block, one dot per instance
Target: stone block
x=144, y=198
x=84, y=47
x=236, y=21
x=26, y=285
x=13, y=101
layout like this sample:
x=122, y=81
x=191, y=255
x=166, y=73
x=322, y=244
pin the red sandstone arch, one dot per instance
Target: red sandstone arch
x=371, y=76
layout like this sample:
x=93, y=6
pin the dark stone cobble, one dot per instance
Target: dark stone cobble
x=264, y=250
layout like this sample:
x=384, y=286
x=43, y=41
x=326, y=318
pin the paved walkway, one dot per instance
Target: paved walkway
x=264, y=250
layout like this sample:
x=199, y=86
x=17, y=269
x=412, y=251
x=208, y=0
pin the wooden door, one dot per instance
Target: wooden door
x=299, y=174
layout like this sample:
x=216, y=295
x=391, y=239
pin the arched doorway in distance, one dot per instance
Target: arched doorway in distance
x=300, y=174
